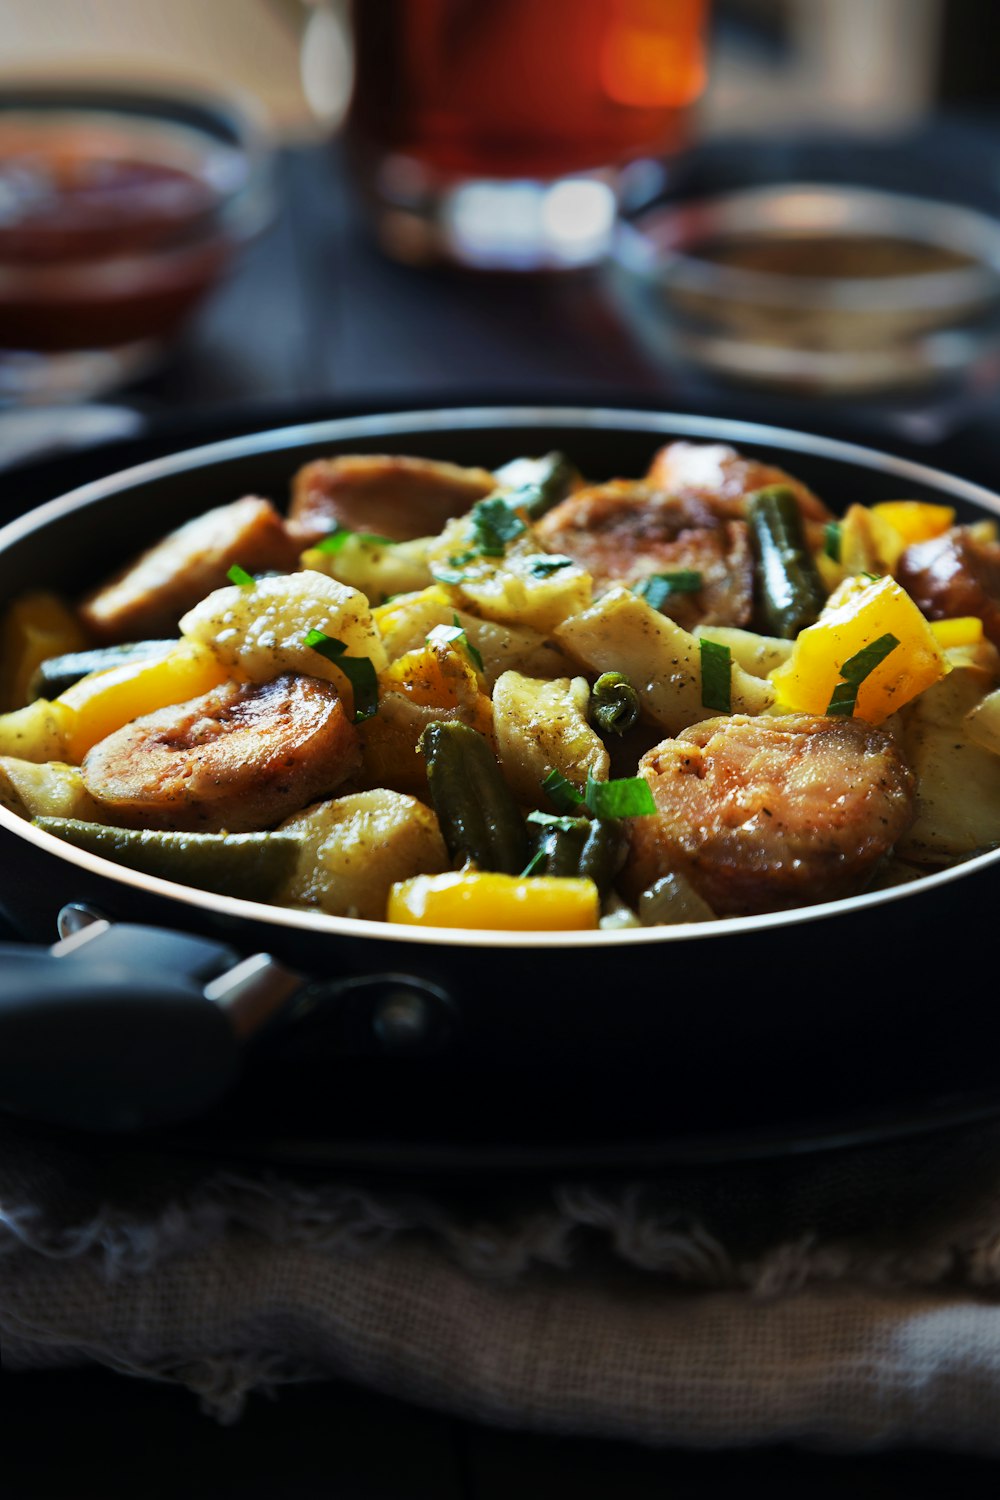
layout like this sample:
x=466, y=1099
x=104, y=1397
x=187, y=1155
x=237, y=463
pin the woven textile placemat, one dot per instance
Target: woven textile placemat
x=846, y=1298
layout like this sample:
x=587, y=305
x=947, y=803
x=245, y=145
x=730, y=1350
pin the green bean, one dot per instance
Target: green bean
x=480, y=820
x=789, y=591
x=576, y=847
x=250, y=865
x=614, y=704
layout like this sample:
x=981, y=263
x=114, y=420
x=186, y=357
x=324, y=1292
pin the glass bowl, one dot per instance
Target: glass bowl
x=812, y=287
x=120, y=209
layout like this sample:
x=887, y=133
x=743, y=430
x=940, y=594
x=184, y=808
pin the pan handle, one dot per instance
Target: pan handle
x=104, y=1045
x=122, y=1027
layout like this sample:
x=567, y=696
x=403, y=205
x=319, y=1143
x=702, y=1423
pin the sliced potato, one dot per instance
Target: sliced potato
x=406, y=623
x=259, y=632
x=541, y=726
x=958, y=802
x=355, y=848
x=49, y=790
x=39, y=732
x=525, y=589
x=622, y=633
x=376, y=568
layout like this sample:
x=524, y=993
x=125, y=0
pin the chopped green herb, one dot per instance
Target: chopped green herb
x=854, y=671
x=495, y=522
x=537, y=484
x=454, y=634
x=561, y=792
x=240, y=575
x=538, y=858
x=335, y=541
x=359, y=671
x=614, y=703
x=658, y=587
x=629, y=797
x=443, y=574
x=554, y=820
x=716, y=676
x=831, y=540
x=455, y=569
x=544, y=566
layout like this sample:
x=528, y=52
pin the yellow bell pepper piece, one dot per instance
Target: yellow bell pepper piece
x=35, y=627
x=389, y=617
x=915, y=520
x=964, y=630
x=868, y=543
x=856, y=616
x=508, y=903
x=105, y=701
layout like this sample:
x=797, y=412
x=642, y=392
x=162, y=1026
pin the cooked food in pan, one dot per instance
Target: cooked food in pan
x=447, y=697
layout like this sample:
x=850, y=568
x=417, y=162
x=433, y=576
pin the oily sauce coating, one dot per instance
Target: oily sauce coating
x=624, y=531
x=385, y=494
x=952, y=575
x=240, y=757
x=764, y=814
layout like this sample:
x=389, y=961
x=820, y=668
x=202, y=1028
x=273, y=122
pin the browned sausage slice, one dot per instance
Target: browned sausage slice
x=148, y=597
x=954, y=574
x=625, y=530
x=397, y=497
x=764, y=814
x=243, y=756
x=716, y=473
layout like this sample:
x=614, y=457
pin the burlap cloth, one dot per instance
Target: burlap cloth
x=846, y=1299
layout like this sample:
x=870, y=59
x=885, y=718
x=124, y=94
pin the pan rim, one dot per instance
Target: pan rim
x=443, y=419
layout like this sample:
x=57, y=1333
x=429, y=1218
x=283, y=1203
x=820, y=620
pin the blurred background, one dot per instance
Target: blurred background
x=863, y=65
x=354, y=288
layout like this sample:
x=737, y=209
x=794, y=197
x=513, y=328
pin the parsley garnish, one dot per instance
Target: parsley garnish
x=359, y=671
x=544, y=566
x=494, y=524
x=854, y=671
x=240, y=575
x=561, y=792
x=657, y=588
x=538, y=858
x=831, y=540
x=454, y=635
x=628, y=797
x=716, y=676
x=336, y=540
x=553, y=820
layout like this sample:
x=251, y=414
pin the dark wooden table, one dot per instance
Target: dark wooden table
x=314, y=323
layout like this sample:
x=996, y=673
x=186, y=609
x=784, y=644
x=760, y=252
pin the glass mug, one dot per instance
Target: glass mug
x=499, y=133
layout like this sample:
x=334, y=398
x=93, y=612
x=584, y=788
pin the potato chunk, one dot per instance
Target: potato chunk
x=622, y=633
x=958, y=781
x=355, y=848
x=259, y=632
x=52, y=790
x=541, y=727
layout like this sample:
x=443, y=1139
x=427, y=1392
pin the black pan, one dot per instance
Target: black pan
x=822, y=1025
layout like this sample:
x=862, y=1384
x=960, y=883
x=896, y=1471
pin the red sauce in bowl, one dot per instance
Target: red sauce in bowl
x=109, y=233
